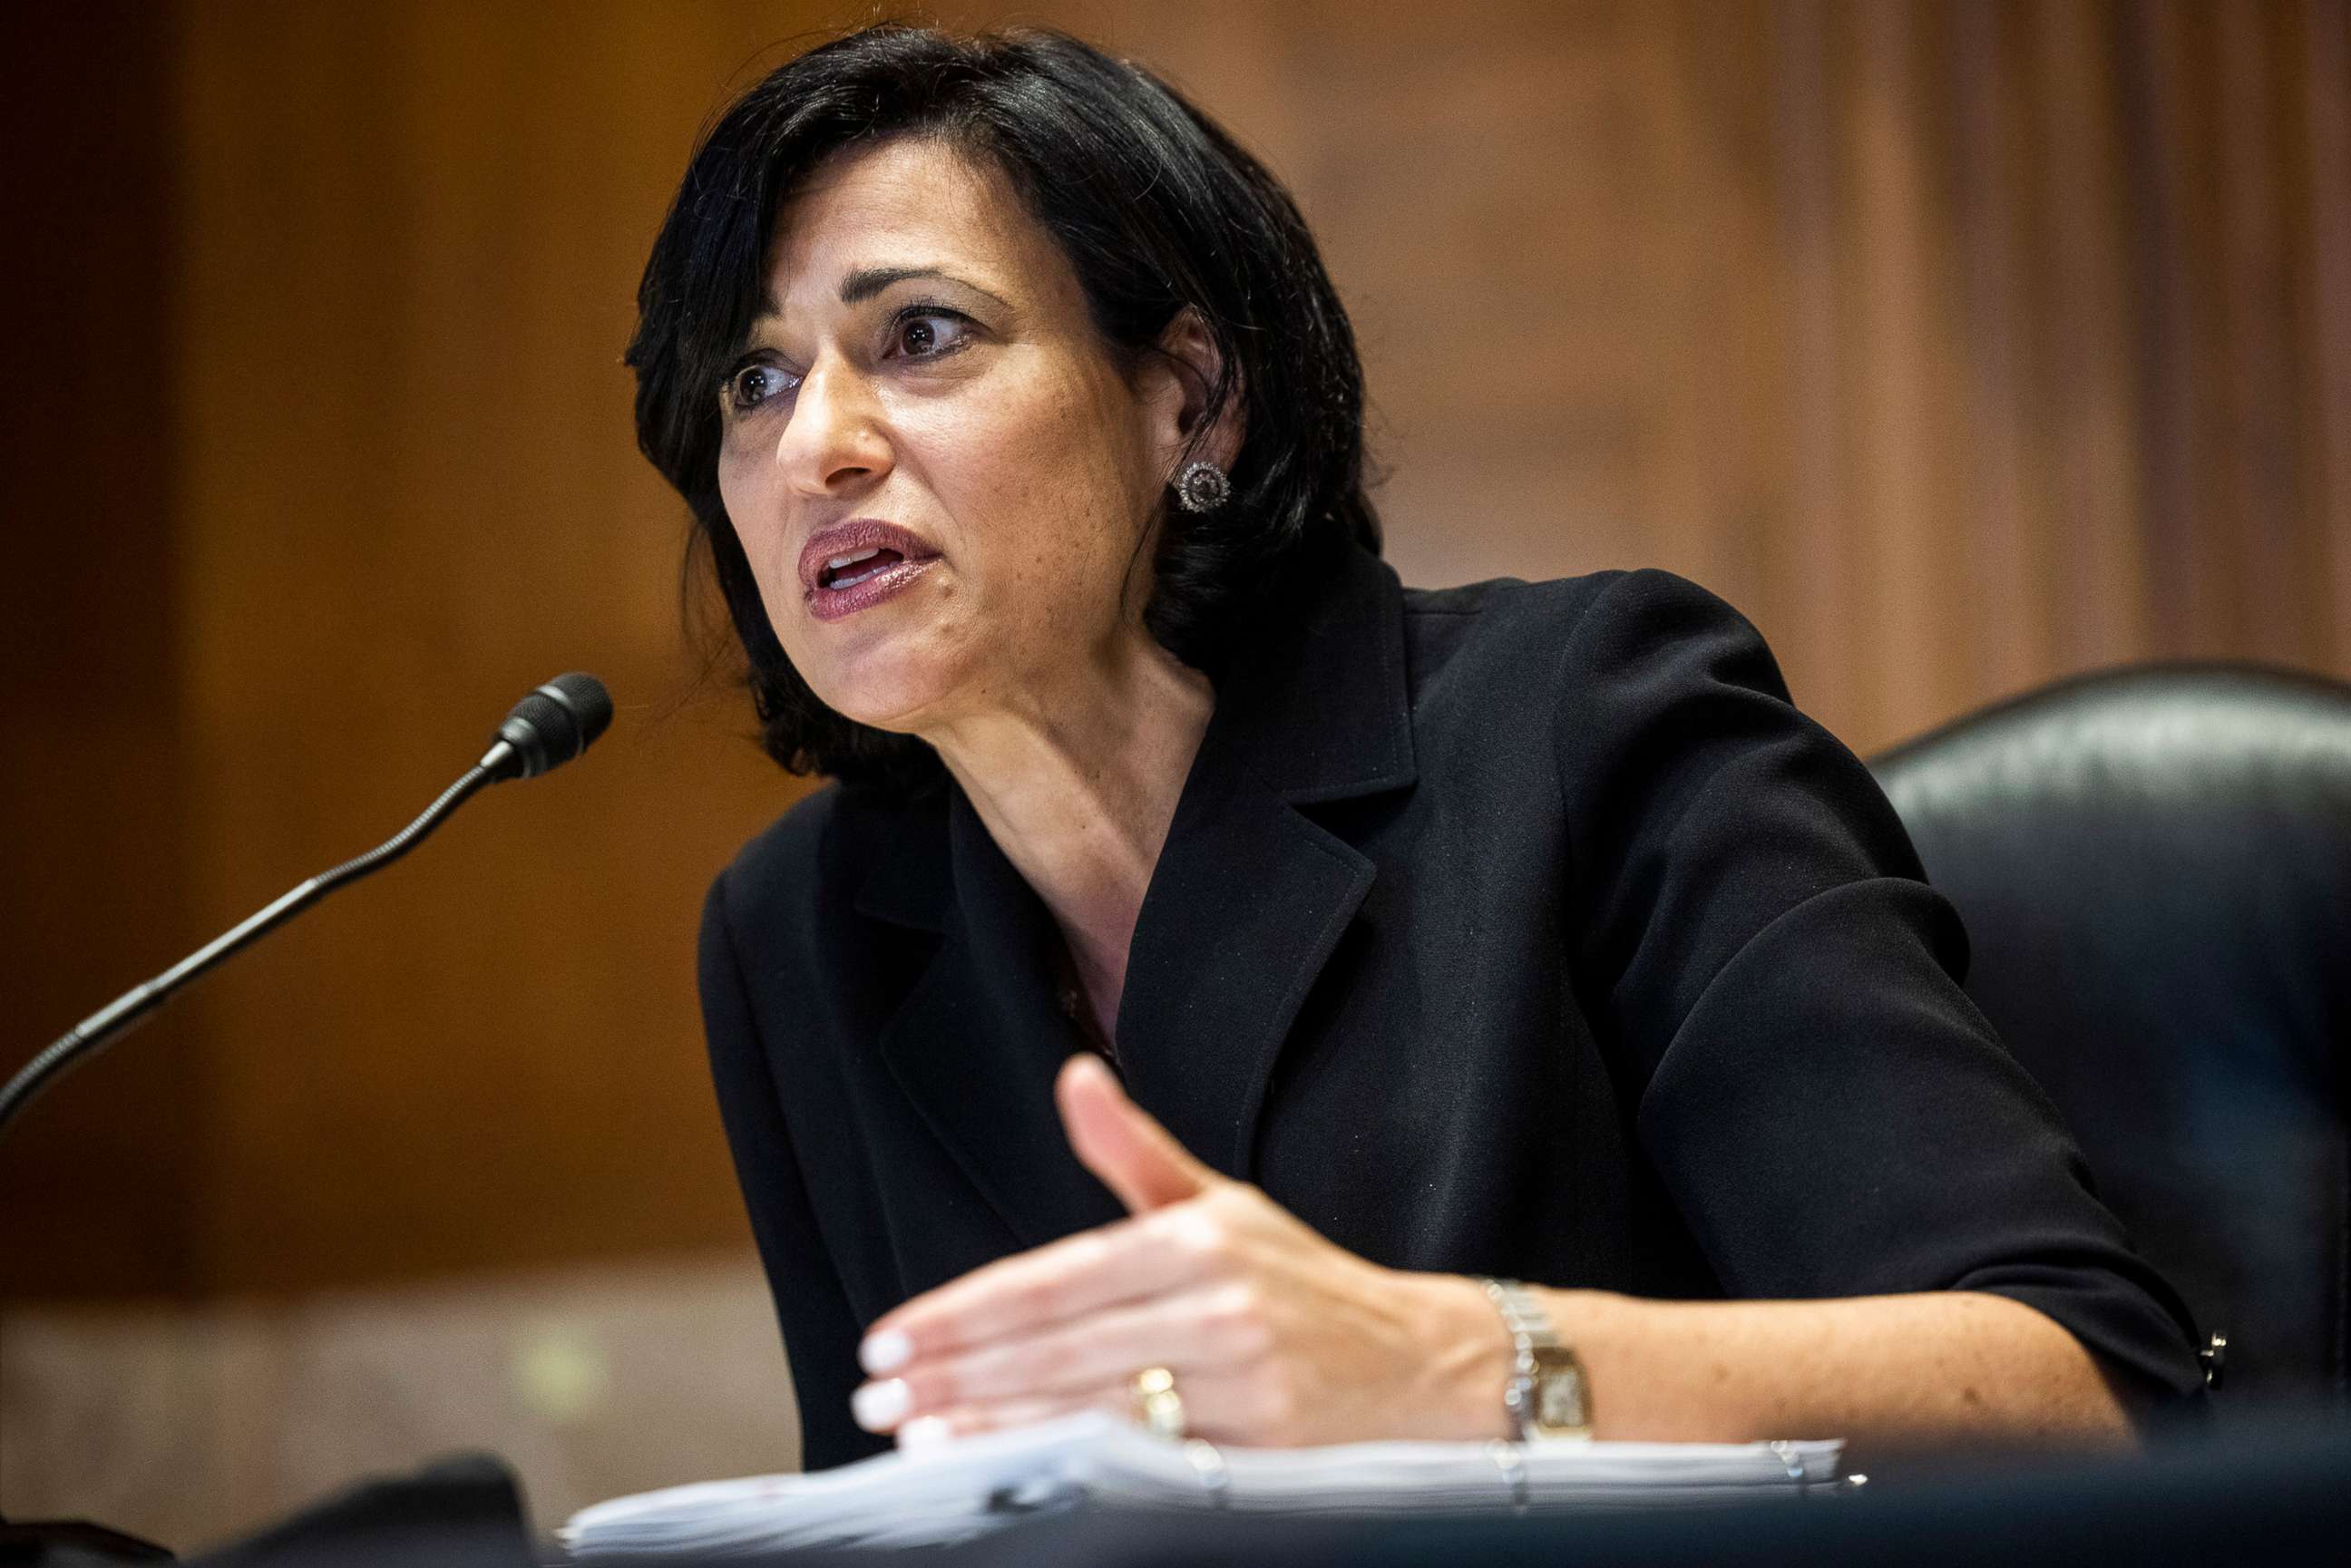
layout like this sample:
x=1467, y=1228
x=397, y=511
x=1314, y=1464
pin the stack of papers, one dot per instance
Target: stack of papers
x=963, y=1489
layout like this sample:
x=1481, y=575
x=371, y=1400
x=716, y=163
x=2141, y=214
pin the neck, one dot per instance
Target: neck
x=1077, y=780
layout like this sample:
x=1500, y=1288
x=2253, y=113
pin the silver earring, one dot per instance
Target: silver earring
x=1202, y=487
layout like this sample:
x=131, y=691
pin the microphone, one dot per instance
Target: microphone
x=547, y=728
x=550, y=726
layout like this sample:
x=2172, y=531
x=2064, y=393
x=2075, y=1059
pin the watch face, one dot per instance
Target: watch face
x=1558, y=1403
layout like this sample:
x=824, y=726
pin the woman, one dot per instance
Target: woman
x=1367, y=942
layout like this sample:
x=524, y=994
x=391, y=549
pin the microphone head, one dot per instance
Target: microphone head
x=550, y=726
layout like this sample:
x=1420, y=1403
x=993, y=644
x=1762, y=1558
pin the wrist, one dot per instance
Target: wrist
x=1466, y=1362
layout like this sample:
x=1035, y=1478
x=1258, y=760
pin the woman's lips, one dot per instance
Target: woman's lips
x=858, y=582
x=828, y=603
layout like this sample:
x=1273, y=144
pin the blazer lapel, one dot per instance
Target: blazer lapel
x=1249, y=900
x=978, y=1041
x=1250, y=896
x=1246, y=903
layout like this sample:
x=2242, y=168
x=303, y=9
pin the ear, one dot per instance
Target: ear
x=1178, y=380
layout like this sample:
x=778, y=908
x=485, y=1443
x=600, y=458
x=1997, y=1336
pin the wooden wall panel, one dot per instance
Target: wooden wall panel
x=2324, y=400
x=1961, y=345
x=93, y=1183
x=411, y=494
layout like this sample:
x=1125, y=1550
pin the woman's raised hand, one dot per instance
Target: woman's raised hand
x=1275, y=1336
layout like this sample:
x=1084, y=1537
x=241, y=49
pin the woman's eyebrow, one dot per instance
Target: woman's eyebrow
x=868, y=281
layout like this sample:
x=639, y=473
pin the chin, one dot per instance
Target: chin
x=883, y=698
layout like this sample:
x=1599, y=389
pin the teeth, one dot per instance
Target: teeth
x=837, y=562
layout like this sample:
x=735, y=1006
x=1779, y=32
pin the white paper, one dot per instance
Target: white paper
x=959, y=1490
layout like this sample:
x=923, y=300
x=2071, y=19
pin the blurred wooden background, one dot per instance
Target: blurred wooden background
x=1961, y=345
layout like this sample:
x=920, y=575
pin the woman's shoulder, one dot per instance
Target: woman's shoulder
x=806, y=861
x=1603, y=637
x=1552, y=607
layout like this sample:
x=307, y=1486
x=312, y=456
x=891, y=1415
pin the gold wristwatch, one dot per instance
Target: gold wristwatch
x=1547, y=1397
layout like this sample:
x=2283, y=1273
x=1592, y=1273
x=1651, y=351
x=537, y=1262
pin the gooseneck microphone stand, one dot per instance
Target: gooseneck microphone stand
x=547, y=728
x=551, y=726
x=127, y=1011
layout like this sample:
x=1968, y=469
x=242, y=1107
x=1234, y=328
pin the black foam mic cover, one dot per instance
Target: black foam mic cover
x=550, y=726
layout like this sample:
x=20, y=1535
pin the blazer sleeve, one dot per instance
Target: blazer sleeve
x=1778, y=990
x=821, y=1331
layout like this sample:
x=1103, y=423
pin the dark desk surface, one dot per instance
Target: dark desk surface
x=2278, y=1494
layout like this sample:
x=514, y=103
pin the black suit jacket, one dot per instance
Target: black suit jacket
x=1520, y=928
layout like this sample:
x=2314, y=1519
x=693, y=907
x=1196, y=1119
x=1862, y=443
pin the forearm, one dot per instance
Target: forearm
x=1280, y=1338
x=1935, y=1369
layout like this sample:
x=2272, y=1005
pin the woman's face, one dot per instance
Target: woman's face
x=937, y=470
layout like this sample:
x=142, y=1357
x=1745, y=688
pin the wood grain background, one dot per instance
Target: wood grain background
x=1961, y=345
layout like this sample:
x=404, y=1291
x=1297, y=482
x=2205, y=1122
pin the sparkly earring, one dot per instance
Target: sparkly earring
x=1202, y=487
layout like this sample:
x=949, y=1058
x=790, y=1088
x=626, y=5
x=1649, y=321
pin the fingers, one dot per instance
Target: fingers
x=1223, y=1327
x=1031, y=1291
x=1049, y=1331
x=925, y=1431
x=1219, y=1406
x=1166, y=1247
x=1131, y=1154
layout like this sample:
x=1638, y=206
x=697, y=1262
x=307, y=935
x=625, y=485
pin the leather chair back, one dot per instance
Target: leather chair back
x=2154, y=865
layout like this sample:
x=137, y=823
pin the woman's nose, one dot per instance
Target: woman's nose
x=834, y=438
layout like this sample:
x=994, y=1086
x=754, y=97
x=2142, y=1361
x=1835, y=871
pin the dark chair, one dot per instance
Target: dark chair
x=2154, y=865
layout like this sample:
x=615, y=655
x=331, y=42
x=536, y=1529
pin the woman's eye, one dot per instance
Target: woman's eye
x=928, y=334
x=755, y=384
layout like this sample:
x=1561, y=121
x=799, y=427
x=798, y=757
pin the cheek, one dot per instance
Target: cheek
x=742, y=486
x=1049, y=486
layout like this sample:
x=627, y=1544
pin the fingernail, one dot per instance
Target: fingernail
x=885, y=1351
x=925, y=1432
x=879, y=1407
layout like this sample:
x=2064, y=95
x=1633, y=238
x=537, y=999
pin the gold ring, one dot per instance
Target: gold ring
x=1156, y=1403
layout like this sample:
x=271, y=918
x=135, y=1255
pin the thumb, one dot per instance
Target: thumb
x=1139, y=1160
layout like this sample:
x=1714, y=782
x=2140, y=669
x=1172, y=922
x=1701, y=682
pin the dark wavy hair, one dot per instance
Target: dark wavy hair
x=1157, y=210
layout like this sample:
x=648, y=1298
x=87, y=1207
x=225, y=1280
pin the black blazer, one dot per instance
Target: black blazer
x=1520, y=928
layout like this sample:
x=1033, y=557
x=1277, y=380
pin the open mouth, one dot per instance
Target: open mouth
x=852, y=566
x=848, y=571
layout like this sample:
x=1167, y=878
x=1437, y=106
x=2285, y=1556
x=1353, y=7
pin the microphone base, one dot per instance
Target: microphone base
x=72, y=1543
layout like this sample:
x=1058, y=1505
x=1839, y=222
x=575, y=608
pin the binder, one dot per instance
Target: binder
x=961, y=1489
